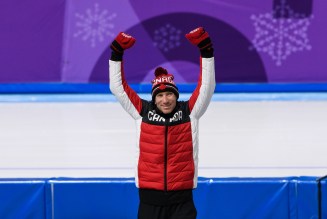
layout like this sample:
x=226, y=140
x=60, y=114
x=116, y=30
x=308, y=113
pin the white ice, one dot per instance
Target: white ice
x=97, y=139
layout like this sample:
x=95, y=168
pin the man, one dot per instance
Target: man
x=167, y=131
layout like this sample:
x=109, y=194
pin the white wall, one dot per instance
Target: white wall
x=97, y=139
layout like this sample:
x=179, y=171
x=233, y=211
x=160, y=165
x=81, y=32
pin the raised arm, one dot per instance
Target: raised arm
x=205, y=88
x=127, y=97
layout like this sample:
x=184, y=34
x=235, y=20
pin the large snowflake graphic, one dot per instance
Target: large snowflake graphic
x=94, y=25
x=280, y=37
x=167, y=37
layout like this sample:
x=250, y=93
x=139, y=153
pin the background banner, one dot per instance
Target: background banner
x=67, y=41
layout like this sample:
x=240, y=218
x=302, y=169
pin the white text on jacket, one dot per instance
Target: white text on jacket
x=152, y=116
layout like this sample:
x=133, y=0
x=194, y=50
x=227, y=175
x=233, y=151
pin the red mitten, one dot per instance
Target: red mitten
x=122, y=41
x=199, y=37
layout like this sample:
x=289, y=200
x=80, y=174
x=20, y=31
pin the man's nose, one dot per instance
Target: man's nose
x=165, y=99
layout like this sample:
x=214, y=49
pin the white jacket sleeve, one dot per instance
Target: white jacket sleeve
x=126, y=96
x=202, y=94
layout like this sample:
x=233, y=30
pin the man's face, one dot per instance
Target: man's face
x=165, y=101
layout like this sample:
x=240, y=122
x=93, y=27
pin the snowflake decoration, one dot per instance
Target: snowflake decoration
x=167, y=37
x=94, y=25
x=279, y=37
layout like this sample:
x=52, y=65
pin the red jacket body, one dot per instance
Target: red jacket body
x=167, y=152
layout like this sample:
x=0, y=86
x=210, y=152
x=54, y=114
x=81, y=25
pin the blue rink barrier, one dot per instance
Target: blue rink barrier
x=225, y=198
x=103, y=88
x=22, y=198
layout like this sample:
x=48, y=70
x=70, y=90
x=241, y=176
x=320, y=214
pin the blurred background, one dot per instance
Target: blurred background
x=67, y=41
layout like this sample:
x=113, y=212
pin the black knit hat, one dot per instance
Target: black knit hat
x=163, y=82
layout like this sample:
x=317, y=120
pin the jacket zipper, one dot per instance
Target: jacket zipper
x=166, y=157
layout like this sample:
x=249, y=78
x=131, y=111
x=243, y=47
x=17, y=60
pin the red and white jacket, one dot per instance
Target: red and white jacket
x=167, y=144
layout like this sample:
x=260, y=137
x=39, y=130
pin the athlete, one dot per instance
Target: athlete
x=167, y=131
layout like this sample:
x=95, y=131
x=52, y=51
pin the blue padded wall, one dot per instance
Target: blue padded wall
x=246, y=198
x=232, y=198
x=324, y=199
x=91, y=198
x=22, y=198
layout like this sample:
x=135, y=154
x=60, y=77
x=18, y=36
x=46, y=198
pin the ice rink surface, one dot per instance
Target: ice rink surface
x=92, y=136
